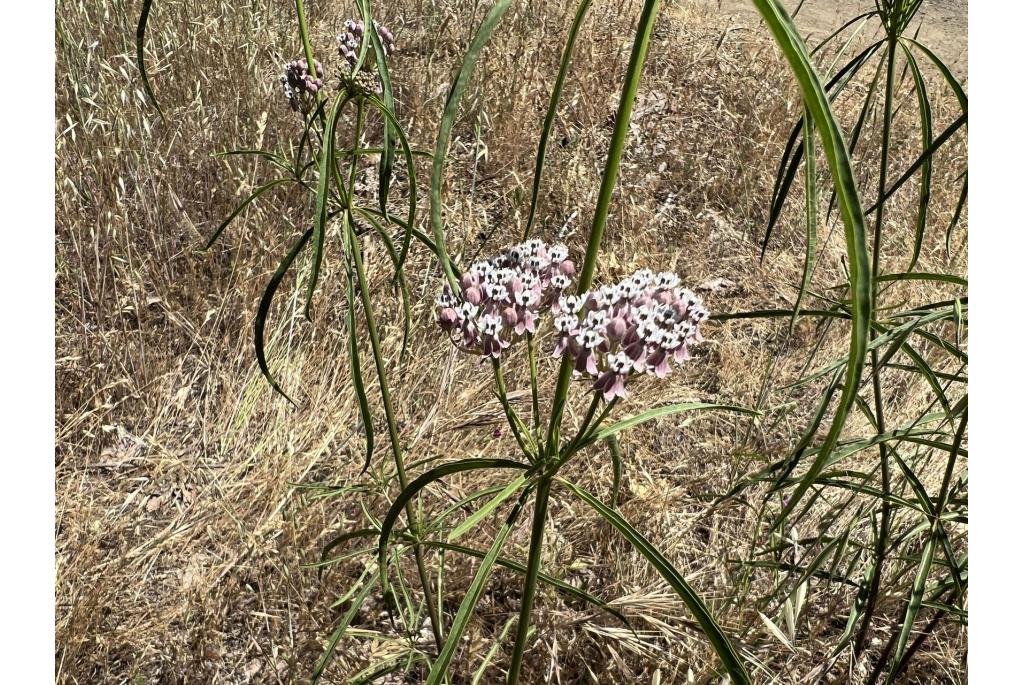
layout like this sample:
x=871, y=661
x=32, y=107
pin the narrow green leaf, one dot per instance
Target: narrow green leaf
x=440, y=668
x=716, y=636
x=920, y=276
x=852, y=212
x=613, y=449
x=957, y=213
x=355, y=364
x=423, y=481
x=924, y=157
x=322, y=192
x=387, y=158
x=264, y=309
x=924, y=194
x=245, y=203
x=339, y=632
x=403, y=283
x=451, y=108
x=140, y=58
x=811, y=214
x=549, y=117
x=559, y=585
x=410, y=164
x=659, y=412
x=480, y=514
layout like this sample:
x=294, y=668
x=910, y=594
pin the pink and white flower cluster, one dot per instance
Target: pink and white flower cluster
x=298, y=84
x=502, y=298
x=351, y=40
x=637, y=326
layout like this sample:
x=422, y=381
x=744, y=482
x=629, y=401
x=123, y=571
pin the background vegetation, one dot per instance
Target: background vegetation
x=183, y=539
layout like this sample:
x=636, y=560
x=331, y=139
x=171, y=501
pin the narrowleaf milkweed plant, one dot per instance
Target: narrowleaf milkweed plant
x=606, y=336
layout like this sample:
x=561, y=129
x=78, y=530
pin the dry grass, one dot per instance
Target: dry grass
x=181, y=536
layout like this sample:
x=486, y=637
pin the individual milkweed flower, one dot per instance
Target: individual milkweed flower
x=490, y=332
x=566, y=328
x=612, y=382
x=299, y=85
x=569, y=304
x=587, y=343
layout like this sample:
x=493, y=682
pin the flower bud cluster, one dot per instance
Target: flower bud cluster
x=298, y=84
x=502, y=298
x=637, y=326
x=351, y=40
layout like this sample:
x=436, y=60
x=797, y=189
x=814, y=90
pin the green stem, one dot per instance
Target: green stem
x=540, y=513
x=531, y=345
x=604, y=198
x=593, y=428
x=876, y=383
x=513, y=419
x=307, y=47
x=389, y=413
x=360, y=113
x=586, y=423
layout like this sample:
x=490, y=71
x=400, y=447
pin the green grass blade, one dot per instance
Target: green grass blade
x=811, y=212
x=549, y=117
x=423, y=481
x=245, y=203
x=322, y=196
x=264, y=309
x=444, y=135
x=852, y=213
x=716, y=636
x=140, y=57
x=659, y=412
x=440, y=668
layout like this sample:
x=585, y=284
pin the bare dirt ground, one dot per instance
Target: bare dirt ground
x=943, y=23
x=183, y=543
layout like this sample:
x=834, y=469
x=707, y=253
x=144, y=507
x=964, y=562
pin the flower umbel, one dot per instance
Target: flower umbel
x=300, y=86
x=349, y=43
x=638, y=326
x=501, y=299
